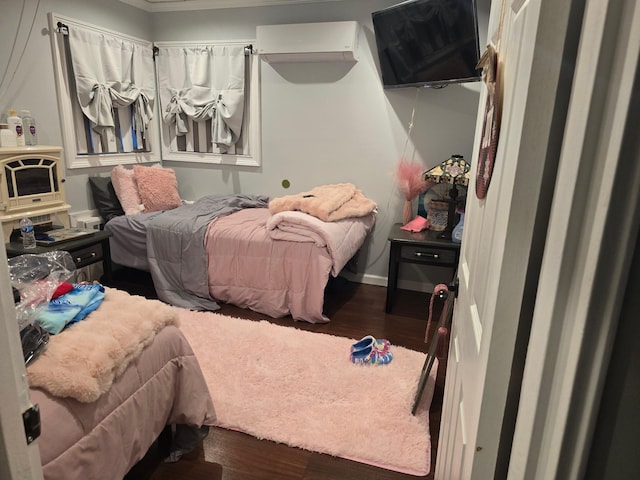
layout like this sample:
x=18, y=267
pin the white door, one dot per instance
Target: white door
x=504, y=233
x=592, y=239
x=17, y=459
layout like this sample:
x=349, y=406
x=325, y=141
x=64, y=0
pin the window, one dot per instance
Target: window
x=112, y=114
x=208, y=96
x=106, y=95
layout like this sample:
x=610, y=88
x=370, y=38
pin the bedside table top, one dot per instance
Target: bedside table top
x=426, y=237
x=16, y=248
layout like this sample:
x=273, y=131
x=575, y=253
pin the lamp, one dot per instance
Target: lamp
x=454, y=171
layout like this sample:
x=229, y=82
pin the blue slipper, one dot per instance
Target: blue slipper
x=382, y=345
x=370, y=356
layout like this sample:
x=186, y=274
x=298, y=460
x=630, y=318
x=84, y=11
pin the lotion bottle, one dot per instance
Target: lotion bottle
x=29, y=128
x=15, y=125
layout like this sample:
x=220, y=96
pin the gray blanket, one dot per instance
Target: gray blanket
x=176, y=250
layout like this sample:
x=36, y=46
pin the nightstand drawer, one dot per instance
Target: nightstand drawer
x=426, y=254
x=427, y=248
x=86, y=256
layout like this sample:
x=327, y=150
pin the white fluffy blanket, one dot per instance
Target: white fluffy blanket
x=326, y=202
x=342, y=238
x=82, y=361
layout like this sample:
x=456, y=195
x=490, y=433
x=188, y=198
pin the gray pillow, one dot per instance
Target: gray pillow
x=104, y=198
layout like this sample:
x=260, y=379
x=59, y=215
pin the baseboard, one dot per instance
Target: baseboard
x=382, y=282
x=365, y=278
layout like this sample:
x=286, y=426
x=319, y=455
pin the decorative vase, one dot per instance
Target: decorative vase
x=456, y=235
x=407, y=212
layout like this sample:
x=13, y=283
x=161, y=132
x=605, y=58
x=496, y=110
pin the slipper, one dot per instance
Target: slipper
x=370, y=356
x=382, y=345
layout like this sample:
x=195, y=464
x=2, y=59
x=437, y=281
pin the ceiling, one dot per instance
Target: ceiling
x=180, y=5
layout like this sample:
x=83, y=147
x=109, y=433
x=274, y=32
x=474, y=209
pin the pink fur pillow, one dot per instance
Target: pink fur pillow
x=157, y=187
x=126, y=189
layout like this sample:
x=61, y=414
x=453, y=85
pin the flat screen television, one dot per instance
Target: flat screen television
x=427, y=43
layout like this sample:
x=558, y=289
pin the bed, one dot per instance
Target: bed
x=99, y=417
x=235, y=249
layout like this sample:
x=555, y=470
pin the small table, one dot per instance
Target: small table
x=84, y=251
x=425, y=248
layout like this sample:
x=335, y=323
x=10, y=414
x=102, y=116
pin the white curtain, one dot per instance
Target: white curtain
x=110, y=73
x=200, y=83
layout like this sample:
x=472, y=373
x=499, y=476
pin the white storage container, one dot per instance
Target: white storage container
x=7, y=137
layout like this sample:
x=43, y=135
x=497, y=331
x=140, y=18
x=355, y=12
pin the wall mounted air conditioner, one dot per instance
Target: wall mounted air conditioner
x=308, y=42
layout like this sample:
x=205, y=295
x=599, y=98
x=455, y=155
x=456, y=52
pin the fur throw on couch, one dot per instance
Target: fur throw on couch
x=327, y=202
x=83, y=360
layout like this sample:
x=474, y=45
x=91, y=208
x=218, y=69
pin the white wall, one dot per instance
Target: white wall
x=33, y=86
x=322, y=123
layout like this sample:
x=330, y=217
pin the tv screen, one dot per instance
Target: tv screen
x=427, y=42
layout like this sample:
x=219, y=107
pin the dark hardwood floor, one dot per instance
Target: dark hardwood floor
x=355, y=310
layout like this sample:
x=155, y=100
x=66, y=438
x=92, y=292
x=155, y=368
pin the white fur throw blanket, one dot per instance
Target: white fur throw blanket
x=82, y=361
x=327, y=202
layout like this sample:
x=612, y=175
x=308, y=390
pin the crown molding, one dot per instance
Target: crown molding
x=184, y=5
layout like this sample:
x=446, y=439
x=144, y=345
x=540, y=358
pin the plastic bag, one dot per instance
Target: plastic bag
x=34, y=340
x=36, y=277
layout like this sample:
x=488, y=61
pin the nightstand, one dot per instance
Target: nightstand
x=425, y=248
x=84, y=251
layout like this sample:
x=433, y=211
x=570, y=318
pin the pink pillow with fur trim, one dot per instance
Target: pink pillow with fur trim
x=157, y=187
x=126, y=189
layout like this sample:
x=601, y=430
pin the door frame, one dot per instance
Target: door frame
x=592, y=233
x=17, y=459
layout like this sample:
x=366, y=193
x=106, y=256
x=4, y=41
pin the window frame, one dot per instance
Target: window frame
x=73, y=159
x=159, y=134
x=251, y=126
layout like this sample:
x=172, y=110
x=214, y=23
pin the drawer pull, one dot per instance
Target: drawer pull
x=86, y=257
x=435, y=256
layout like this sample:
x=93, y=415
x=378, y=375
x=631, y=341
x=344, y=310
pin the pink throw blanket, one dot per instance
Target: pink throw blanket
x=82, y=361
x=327, y=202
x=342, y=238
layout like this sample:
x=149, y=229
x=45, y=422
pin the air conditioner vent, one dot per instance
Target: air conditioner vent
x=308, y=42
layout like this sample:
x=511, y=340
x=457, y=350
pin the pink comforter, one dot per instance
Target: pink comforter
x=252, y=267
x=104, y=439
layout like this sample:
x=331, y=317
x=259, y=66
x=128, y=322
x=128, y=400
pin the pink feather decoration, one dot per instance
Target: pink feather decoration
x=411, y=182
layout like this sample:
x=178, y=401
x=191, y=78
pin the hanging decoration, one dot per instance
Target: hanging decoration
x=409, y=175
x=492, y=78
x=411, y=183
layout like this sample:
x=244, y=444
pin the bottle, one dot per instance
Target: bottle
x=456, y=235
x=7, y=137
x=15, y=124
x=29, y=128
x=28, y=235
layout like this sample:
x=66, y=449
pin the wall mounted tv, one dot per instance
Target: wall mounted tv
x=427, y=43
